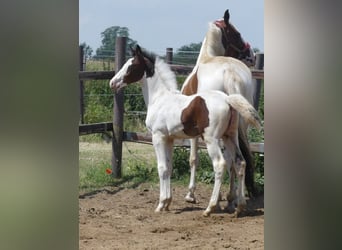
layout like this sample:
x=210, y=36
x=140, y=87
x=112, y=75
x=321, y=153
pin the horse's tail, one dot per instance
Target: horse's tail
x=251, y=116
x=245, y=109
x=250, y=166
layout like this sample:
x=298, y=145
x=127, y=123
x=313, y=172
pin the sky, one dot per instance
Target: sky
x=157, y=25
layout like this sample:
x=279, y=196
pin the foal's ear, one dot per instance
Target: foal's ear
x=226, y=17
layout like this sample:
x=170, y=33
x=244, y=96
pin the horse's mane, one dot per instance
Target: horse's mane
x=166, y=74
x=213, y=41
x=149, y=55
x=163, y=69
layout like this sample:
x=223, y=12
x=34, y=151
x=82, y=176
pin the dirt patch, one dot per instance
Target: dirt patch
x=122, y=218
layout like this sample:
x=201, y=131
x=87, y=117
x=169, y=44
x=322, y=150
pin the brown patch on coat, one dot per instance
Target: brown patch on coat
x=191, y=87
x=195, y=117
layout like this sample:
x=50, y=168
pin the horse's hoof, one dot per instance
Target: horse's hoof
x=190, y=198
x=240, y=210
x=158, y=209
x=230, y=208
x=206, y=213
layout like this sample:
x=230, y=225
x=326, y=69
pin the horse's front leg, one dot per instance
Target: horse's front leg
x=163, y=147
x=193, y=161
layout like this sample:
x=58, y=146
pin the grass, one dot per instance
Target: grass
x=138, y=164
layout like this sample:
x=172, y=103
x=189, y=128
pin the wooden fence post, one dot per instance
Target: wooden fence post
x=259, y=64
x=81, y=85
x=169, y=55
x=118, y=110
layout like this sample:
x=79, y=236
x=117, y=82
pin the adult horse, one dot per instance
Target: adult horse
x=212, y=115
x=215, y=71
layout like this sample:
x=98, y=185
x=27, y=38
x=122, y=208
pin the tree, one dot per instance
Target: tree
x=109, y=36
x=256, y=50
x=187, y=54
x=87, y=50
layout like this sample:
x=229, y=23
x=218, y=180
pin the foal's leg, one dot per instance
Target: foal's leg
x=219, y=165
x=240, y=169
x=193, y=161
x=231, y=196
x=163, y=147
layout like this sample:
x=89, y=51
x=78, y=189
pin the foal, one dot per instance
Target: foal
x=170, y=115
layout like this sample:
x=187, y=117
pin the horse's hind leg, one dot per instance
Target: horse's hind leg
x=193, y=161
x=238, y=168
x=235, y=158
x=231, y=197
x=219, y=165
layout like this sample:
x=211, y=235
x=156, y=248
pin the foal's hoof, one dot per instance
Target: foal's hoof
x=206, y=213
x=164, y=205
x=158, y=210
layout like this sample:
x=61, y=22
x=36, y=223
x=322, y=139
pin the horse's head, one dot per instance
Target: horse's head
x=133, y=70
x=233, y=42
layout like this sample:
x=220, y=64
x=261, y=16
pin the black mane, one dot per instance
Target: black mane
x=149, y=55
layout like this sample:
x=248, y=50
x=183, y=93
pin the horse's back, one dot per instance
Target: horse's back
x=225, y=74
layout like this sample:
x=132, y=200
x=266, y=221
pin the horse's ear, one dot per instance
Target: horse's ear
x=226, y=17
x=137, y=49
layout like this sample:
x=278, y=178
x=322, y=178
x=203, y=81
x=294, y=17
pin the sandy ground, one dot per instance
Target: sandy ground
x=124, y=218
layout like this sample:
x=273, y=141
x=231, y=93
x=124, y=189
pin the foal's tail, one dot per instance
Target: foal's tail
x=245, y=109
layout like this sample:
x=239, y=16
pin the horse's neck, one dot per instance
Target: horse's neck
x=203, y=52
x=206, y=52
x=209, y=49
x=202, y=56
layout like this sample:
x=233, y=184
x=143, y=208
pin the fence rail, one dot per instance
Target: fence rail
x=146, y=138
x=96, y=75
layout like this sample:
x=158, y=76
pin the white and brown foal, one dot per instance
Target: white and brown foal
x=170, y=115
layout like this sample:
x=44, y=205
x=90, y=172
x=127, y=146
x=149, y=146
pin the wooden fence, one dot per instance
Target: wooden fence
x=115, y=129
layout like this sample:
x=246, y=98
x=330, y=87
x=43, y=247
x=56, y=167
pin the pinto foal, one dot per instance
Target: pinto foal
x=170, y=115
